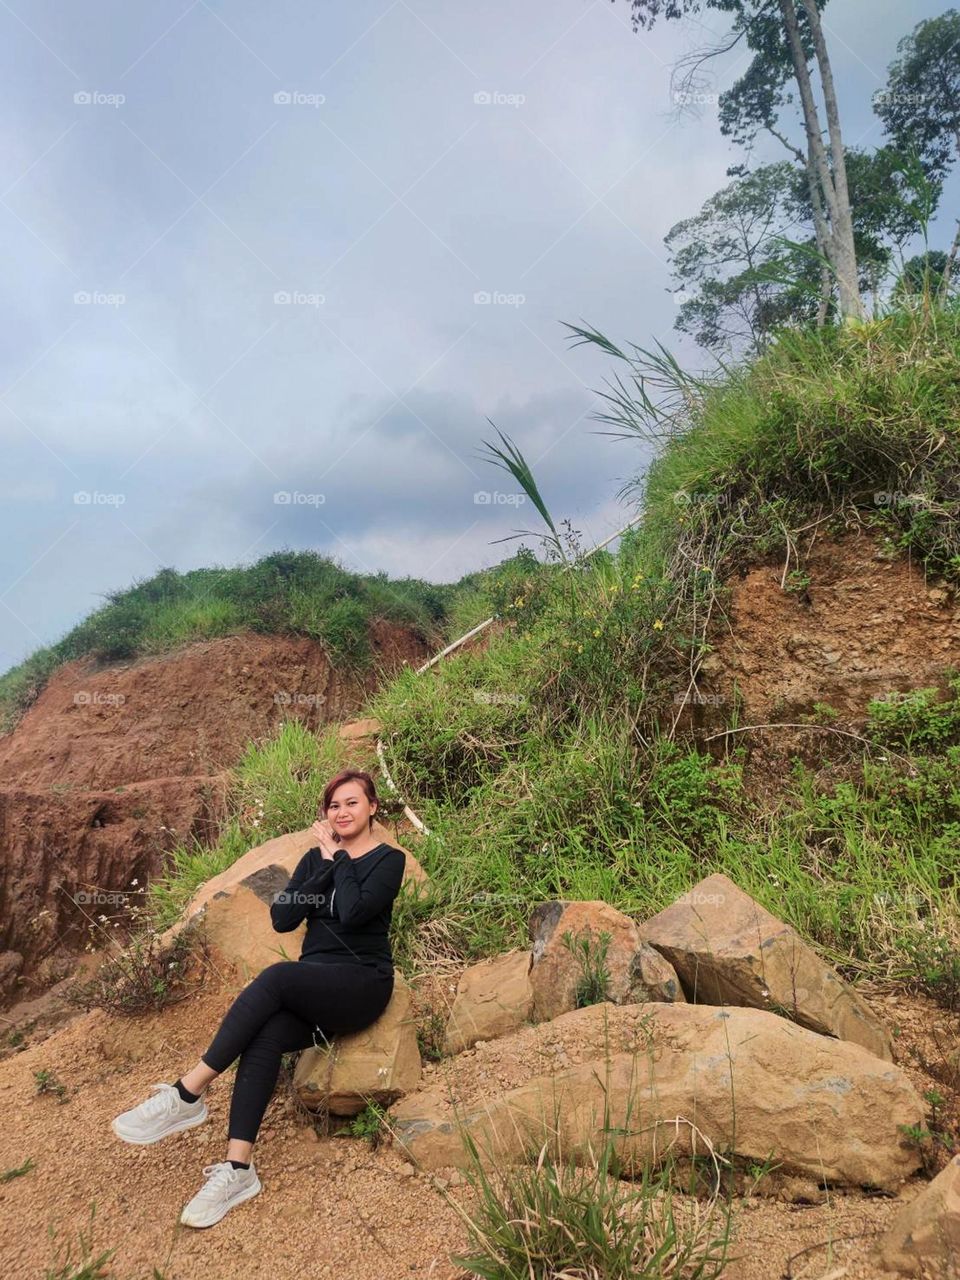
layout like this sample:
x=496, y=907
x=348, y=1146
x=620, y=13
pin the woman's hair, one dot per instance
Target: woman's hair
x=351, y=775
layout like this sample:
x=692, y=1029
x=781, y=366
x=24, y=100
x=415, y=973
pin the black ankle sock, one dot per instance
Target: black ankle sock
x=238, y=1164
x=185, y=1094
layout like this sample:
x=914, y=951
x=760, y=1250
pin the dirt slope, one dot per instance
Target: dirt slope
x=115, y=762
x=329, y=1208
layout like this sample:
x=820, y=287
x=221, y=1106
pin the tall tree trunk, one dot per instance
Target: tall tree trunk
x=840, y=247
x=850, y=305
x=951, y=262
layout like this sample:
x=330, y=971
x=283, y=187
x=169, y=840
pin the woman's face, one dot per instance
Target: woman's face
x=349, y=811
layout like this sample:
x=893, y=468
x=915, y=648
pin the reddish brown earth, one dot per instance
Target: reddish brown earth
x=866, y=625
x=115, y=763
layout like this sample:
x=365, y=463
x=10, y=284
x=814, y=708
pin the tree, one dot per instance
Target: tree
x=739, y=280
x=920, y=107
x=786, y=36
x=748, y=263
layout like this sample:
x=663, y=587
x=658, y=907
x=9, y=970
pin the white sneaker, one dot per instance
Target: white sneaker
x=166, y=1112
x=224, y=1187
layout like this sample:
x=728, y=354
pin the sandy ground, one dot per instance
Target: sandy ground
x=330, y=1207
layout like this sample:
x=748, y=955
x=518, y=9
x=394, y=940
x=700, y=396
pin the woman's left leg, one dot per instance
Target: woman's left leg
x=338, y=997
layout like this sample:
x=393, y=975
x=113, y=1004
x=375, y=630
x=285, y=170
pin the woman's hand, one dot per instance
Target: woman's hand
x=323, y=832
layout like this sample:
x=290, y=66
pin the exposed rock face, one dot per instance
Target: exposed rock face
x=493, y=998
x=114, y=763
x=380, y=1064
x=636, y=971
x=753, y=1083
x=924, y=1239
x=728, y=950
x=234, y=907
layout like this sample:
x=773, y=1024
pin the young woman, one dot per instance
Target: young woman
x=344, y=888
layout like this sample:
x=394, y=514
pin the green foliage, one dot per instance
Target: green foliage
x=48, y=1082
x=921, y=719
x=19, y=1170
x=367, y=1124
x=920, y=105
x=591, y=954
x=88, y=1266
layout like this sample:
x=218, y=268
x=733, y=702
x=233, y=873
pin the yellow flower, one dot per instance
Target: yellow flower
x=579, y=648
x=519, y=602
x=596, y=631
x=658, y=625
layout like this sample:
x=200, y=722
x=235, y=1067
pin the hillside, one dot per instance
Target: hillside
x=761, y=682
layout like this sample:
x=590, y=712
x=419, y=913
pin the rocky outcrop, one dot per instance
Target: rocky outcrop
x=380, y=1064
x=924, y=1238
x=493, y=998
x=561, y=932
x=753, y=1084
x=727, y=950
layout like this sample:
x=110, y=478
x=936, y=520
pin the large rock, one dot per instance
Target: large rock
x=234, y=907
x=636, y=971
x=379, y=1064
x=728, y=950
x=754, y=1084
x=924, y=1238
x=493, y=998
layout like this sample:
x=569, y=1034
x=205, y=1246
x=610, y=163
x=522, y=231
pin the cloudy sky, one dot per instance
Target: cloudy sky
x=309, y=250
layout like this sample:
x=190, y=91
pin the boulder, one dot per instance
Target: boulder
x=379, y=1064
x=755, y=1085
x=234, y=906
x=636, y=971
x=493, y=998
x=728, y=950
x=924, y=1238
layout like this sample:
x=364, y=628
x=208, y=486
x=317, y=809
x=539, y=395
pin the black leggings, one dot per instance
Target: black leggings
x=279, y=1011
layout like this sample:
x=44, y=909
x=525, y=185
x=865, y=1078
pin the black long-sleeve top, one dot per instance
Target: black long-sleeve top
x=347, y=904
